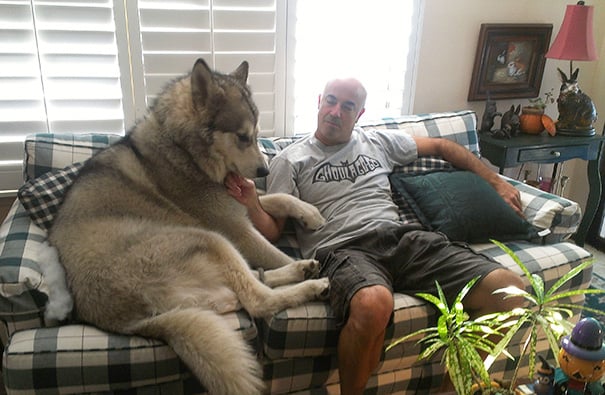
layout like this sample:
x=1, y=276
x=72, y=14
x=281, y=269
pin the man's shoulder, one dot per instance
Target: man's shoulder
x=380, y=136
x=296, y=144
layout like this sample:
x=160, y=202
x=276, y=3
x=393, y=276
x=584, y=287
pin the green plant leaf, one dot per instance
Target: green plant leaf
x=538, y=285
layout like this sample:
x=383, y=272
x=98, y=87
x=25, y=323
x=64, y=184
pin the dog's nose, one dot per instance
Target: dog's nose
x=262, y=172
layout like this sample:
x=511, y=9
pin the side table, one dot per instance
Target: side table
x=544, y=148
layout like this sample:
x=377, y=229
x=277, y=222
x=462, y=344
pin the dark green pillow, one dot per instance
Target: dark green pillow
x=462, y=205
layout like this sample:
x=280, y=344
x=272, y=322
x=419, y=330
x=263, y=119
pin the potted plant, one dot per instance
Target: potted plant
x=460, y=338
x=532, y=119
x=545, y=313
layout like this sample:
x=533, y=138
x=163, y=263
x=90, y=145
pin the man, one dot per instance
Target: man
x=363, y=248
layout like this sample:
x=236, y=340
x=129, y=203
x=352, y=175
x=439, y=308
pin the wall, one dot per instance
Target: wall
x=447, y=52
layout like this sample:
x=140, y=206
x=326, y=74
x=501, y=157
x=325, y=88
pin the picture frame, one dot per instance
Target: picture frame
x=509, y=61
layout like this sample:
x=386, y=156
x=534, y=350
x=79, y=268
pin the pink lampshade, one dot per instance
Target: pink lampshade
x=575, y=40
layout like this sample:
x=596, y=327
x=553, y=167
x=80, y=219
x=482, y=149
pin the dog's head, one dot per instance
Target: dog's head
x=213, y=118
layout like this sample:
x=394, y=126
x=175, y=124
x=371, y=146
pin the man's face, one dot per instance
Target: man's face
x=340, y=107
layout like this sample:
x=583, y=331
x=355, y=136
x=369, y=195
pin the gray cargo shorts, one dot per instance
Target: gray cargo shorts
x=402, y=260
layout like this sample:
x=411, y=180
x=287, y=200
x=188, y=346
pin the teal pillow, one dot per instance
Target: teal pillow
x=462, y=205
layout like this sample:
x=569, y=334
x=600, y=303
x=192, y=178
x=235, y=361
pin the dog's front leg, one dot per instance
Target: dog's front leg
x=258, y=251
x=282, y=205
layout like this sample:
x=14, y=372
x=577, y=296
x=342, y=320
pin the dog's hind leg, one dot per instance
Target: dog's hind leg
x=215, y=353
x=257, y=298
x=292, y=273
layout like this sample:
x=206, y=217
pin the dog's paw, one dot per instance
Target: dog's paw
x=323, y=289
x=309, y=216
x=310, y=268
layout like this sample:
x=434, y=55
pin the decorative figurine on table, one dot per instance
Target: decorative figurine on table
x=581, y=360
x=577, y=112
x=544, y=384
x=509, y=126
x=487, y=121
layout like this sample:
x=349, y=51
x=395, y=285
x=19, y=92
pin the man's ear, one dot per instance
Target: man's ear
x=360, y=114
x=318, y=101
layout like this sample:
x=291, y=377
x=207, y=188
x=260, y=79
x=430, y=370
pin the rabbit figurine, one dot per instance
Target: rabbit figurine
x=509, y=124
x=487, y=121
x=577, y=112
x=510, y=121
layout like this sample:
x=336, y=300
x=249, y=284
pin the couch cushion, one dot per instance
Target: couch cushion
x=22, y=288
x=462, y=205
x=46, y=152
x=43, y=195
x=83, y=359
x=310, y=330
x=458, y=126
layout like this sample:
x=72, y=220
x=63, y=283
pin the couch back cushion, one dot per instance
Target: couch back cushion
x=46, y=152
x=458, y=126
x=49, y=159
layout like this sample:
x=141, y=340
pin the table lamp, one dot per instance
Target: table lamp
x=575, y=41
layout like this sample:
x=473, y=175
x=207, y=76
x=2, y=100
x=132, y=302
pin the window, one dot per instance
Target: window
x=95, y=65
x=342, y=38
x=59, y=73
x=222, y=32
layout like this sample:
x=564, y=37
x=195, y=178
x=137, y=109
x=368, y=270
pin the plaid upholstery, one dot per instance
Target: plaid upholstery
x=458, y=126
x=46, y=152
x=81, y=359
x=42, y=196
x=296, y=346
x=547, y=211
x=299, y=344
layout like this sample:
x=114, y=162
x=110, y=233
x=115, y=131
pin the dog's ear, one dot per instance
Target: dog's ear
x=241, y=73
x=201, y=81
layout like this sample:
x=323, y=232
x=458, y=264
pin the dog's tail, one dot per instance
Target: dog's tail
x=215, y=353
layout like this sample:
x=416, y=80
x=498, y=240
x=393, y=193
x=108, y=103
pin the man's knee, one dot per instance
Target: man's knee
x=482, y=297
x=371, y=308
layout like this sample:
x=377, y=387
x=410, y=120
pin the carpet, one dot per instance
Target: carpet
x=596, y=301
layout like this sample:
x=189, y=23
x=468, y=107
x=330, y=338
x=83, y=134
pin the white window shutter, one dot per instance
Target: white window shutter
x=21, y=100
x=58, y=74
x=79, y=63
x=223, y=33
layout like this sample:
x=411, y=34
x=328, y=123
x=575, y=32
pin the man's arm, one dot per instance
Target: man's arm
x=244, y=191
x=462, y=158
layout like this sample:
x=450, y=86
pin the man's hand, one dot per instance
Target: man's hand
x=244, y=191
x=241, y=189
x=511, y=195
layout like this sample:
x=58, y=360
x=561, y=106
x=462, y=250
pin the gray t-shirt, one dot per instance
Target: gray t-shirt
x=348, y=183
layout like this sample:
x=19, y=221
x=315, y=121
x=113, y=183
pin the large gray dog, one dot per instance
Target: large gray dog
x=153, y=245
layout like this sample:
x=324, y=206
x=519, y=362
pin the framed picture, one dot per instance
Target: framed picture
x=509, y=62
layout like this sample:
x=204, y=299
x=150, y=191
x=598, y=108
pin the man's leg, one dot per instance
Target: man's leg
x=481, y=299
x=362, y=337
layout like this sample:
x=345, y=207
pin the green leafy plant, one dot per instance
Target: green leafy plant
x=544, y=312
x=463, y=338
x=540, y=103
x=460, y=337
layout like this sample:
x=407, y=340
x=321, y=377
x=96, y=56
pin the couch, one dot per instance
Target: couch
x=297, y=347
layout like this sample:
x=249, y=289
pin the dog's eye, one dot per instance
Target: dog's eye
x=243, y=138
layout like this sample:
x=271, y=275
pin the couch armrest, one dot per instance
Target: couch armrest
x=23, y=294
x=548, y=211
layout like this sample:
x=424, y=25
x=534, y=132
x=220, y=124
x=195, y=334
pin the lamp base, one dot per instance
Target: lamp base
x=576, y=132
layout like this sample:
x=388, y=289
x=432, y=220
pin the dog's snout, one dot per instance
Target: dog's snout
x=262, y=172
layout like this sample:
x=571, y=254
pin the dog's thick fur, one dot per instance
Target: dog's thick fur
x=152, y=243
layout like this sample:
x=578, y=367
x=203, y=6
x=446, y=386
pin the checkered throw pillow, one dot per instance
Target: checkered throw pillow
x=42, y=196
